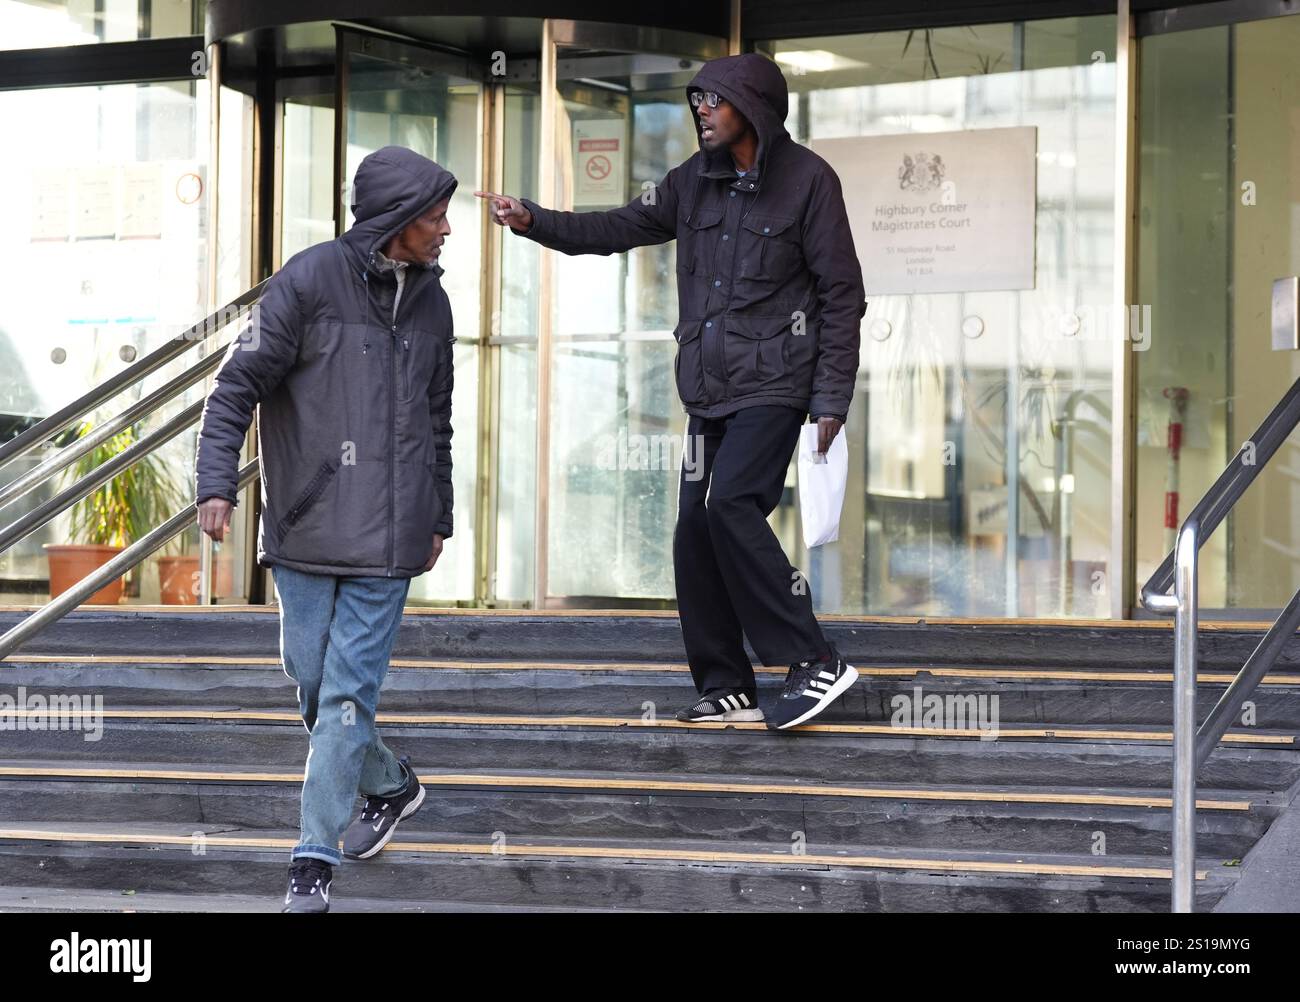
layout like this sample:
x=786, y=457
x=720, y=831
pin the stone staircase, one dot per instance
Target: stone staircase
x=558, y=779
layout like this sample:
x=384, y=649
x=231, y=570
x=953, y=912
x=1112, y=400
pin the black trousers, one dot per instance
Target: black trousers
x=732, y=575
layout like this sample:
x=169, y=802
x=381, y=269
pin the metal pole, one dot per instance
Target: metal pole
x=214, y=242
x=1123, y=404
x=1184, y=787
x=547, y=176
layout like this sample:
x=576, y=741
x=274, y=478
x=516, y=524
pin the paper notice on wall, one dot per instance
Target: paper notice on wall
x=96, y=215
x=598, y=146
x=940, y=211
x=142, y=197
x=51, y=204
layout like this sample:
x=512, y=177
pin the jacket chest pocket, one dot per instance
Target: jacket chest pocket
x=769, y=248
x=697, y=241
x=419, y=355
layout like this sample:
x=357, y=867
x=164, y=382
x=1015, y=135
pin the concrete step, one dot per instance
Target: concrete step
x=93, y=901
x=656, y=636
x=623, y=806
x=681, y=876
x=1053, y=755
x=1024, y=694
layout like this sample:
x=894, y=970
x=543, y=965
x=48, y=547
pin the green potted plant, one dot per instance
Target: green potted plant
x=112, y=516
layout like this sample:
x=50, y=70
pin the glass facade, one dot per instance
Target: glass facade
x=982, y=472
x=960, y=502
x=107, y=259
x=616, y=424
x=30, y=24
x=405, y=96
x=1219, y=220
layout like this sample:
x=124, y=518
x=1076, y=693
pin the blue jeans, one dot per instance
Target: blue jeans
x=336, y=637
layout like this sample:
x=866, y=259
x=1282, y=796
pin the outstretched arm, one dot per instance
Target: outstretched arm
x=650, y=218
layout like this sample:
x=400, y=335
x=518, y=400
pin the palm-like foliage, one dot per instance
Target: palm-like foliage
x=135, y=501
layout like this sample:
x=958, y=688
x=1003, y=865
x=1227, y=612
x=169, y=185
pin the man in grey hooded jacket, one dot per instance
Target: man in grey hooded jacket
x=770, y=297
x=349, y=362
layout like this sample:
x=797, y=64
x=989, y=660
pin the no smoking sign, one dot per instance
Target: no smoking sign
x=598, y=161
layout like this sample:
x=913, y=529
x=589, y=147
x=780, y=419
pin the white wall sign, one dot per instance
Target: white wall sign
x=96, y=217
x=51, y=204
x=940, y=211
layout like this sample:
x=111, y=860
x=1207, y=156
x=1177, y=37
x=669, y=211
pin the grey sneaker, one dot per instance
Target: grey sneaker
x=379, y=817
x=309, y=886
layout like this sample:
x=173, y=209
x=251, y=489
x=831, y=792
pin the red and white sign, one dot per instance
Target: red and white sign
x=598, y=177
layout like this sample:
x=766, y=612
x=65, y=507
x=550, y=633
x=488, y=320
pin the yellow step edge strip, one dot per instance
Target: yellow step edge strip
x=667, y=786
x=1069, y=675
x=485, y=720
x=601, y=852
x=1217, y=626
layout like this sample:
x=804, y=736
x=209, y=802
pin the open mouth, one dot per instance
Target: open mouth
x=706, y=132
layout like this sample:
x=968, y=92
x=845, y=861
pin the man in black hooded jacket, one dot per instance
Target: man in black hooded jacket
x=771, y=299
x=350, y=366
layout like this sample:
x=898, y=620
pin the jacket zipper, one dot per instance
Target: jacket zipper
x=392, y=432
x=392, y=418
x=392, y=450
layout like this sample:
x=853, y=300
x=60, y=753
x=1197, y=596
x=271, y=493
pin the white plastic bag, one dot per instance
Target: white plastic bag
x=821, y=486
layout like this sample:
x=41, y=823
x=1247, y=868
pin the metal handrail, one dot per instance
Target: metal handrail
x=111, y=571
x=65, y=417
x=46, y=429
x=1193, y=745
x=48, y=510
x=146, y=405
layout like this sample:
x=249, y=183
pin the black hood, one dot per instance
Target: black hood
x=756, y=86
x=393, y=185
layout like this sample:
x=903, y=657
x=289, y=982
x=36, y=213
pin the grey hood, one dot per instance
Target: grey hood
x=392, y=186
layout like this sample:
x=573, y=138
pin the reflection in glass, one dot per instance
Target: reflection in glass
x=979, y=440
x=111, y=252
x=403, y=101
x=616, y=422
x=1216, y=225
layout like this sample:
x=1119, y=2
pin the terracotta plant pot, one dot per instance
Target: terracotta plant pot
x=177, y=577
x=70, y=562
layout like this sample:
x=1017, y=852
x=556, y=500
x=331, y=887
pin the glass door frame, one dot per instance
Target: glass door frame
x=350, y=41
x=558, y=35
x=353, y=40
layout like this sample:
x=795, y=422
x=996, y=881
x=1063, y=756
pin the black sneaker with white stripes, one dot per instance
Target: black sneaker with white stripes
x=723, y=704
x=810, y=687
x=309, y=885
x=371, y=831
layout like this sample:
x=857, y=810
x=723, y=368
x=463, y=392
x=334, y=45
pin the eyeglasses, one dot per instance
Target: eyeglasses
x=710, y=98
